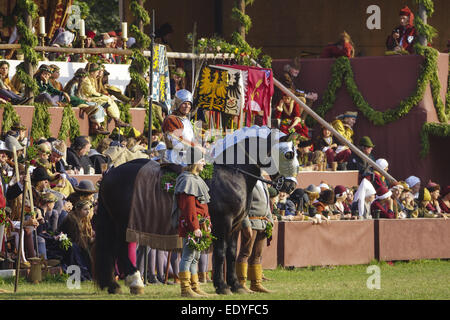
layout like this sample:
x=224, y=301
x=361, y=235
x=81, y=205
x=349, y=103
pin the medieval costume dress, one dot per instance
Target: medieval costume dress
x=407, y=34
x=290, y=114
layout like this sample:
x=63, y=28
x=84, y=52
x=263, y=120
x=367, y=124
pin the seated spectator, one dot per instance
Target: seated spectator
x=77, y=225
x=54, y=77
x=433, y=205
x=18, y=86
x=342, y=48
x=423, y=201
x=89, y=92
x=313, y=193
x=7, y=91
x=285, y=206
x=323, y=186
x=340, y=206
x=398, y=208
x=100, y=161
x=414, y=184
x=48, y=94
x=110, y=89
x=378, y=179
x=356, y=163
x=77, y=156
x=95, y=112
x=288, y=114
x=326, y=199
x=304, y=154
x=407, y=201
x=364, y=197
x=21, y=131
x=444, y=200
x=383, y=206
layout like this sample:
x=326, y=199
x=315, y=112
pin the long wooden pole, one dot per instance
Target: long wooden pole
x=123, y=52
x=324, y=123
x=19, y=253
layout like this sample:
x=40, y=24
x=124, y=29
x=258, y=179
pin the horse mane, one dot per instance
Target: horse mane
x=239, y=141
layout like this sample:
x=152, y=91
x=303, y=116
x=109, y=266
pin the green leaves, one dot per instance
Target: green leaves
x=10, y=116
x=342, y=71
x=434, y=129
x=40, y=126
x=69, y=124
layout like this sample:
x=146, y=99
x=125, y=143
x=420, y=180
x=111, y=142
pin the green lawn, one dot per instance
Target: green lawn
x=424, y=279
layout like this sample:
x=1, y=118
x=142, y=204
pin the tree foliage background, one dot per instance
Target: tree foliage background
x=100, y=15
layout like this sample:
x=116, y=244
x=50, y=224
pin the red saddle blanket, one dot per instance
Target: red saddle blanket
x=150, y=215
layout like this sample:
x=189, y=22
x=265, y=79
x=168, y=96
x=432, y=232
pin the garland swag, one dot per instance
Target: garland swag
x=341, y=71
x=434, y=129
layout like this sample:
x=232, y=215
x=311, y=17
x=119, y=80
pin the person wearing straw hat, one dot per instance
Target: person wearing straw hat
x=383, y=206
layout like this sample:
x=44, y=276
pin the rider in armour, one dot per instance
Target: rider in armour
x=178, y=130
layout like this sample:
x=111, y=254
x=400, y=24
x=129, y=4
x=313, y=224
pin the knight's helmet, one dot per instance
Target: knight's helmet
x=182, y=96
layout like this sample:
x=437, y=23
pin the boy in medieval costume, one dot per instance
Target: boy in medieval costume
x=288, y=114
x=256, y=229
x=190, y=208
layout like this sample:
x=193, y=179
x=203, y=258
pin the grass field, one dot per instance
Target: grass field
x=423, y=279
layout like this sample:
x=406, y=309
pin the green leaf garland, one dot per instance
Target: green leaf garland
x=41, y=121
x=341, y=71
x=434, y=129
x=10, y=116
x=70, y=128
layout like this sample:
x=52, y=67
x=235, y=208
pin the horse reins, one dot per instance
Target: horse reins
x=278, y=184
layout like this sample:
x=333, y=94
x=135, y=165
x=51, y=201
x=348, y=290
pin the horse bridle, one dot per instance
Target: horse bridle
x=277, y=184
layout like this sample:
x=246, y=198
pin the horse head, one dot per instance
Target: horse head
x=284, y=165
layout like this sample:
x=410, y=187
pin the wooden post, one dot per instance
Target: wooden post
x=27, y=64
x=241, y=7
x=19, y=251
x=423, y=15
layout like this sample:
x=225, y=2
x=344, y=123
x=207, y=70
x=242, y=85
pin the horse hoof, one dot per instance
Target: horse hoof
x=240, y=291
x=224, y=291
x=137, y=290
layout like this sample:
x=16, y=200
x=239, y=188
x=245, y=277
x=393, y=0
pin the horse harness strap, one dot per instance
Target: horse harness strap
x=278, y=184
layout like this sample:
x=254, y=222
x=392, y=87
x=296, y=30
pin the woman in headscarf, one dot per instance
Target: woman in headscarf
x=364, y=197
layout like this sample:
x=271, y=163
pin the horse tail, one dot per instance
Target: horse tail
x=105, y=252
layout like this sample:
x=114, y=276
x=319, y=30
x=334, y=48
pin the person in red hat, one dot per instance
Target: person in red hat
x=383, y=206
x=89, y=42
x=340, y=207
x=404, y=36
x=444, y=200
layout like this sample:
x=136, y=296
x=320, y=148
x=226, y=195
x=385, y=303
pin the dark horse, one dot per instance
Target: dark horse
x=230, y=190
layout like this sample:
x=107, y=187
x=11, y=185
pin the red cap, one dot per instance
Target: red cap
x=112, y=34
x=340, y=189
x=382, y=191
x=405, y=11
x=90, y=34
